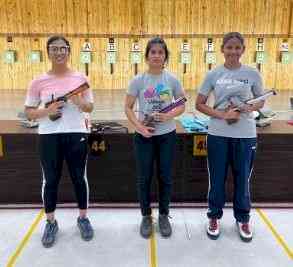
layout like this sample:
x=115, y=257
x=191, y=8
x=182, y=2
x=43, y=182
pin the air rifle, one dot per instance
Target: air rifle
x=149, y=120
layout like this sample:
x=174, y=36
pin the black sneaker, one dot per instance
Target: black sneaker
x=146, y=226
x=164, y=225
x=85, y=228
x=49, y=234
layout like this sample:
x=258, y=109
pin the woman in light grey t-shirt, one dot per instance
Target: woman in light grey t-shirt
x=231, y=137
x=155, y=136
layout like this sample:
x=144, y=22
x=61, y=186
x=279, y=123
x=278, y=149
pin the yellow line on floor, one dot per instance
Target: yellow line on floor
x=25, y=240
x=279, y=238
x=153, y=250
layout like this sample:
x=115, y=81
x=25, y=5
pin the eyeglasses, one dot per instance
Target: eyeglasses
x=62, y=49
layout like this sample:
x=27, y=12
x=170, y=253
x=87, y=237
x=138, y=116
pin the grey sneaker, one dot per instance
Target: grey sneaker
x=85, y=228
x=164, y=225
x=146, y=226
x=49, y=234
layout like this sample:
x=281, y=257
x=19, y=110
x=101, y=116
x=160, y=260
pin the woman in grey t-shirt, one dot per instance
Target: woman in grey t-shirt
x=155, y=89
x=231, y=137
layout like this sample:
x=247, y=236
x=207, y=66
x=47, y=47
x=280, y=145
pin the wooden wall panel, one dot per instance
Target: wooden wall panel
x=115, y=17
x=75, y=17
x=268, y=69
x=32, y=21
x=290, y=18
x=198, y=67
x=283, y=72
x=35, y=17
x=213, y=17
x=3, y=17
x=4, y=68
x=158, y=16
x=98, y=17
x=216, y=17
x=18, y=75
x=182, y=20
x=271, y=16
x=146, y=16
x=41, y=16
x=120, y=17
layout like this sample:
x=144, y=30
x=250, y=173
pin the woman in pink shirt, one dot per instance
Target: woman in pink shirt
x=64, y=138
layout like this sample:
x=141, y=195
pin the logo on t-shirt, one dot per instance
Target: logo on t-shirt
x=225, y=81
x=160, y=91
x=157, y=96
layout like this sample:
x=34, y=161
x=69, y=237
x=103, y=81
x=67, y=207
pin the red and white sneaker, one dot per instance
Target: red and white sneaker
x=213, y=229
x=245, y=231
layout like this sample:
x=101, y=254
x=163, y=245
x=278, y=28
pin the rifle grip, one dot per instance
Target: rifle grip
x=148, y=121
x=231, y=121
x=48, y=104
x=54, y=117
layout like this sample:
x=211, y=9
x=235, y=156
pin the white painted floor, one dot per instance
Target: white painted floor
x=117, y=242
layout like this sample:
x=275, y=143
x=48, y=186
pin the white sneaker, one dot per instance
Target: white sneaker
x=213, y=229
x=244, y=231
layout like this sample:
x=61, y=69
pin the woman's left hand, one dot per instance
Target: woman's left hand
x=77, y=100
x=162, y=117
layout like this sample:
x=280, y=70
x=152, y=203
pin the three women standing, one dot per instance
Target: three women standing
x=231, y=137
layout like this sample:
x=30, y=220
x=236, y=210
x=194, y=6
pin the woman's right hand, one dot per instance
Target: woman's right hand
x=145, y=131
x=55, y=108
x=231, y=115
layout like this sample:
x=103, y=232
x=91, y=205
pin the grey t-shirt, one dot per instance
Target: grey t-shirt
x=234, y=86
x=155, y=92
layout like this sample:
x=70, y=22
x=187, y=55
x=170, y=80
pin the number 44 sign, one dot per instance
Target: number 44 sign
x=199, y=145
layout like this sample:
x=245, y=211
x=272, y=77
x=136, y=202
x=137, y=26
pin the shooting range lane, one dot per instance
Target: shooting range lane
x=14, y=225
x=117, y=242
x=278, y=221
x=190, y=245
